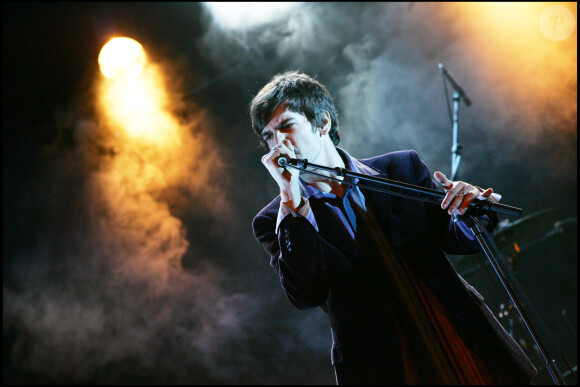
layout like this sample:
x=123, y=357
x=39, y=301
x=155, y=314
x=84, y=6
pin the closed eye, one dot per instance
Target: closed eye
x=285, y=124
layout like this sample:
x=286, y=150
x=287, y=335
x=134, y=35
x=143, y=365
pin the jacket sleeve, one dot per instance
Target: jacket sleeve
x=297, y=256
x=454, y=237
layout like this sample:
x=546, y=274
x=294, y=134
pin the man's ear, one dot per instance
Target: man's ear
x=326, y=123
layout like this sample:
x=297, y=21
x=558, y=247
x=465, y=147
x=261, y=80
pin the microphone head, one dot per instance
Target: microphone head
x=283, y=161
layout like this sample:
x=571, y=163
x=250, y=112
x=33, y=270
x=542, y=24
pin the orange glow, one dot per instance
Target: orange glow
x=509, y=36
x=526, y=66
x=138, y=107
x=154, y=151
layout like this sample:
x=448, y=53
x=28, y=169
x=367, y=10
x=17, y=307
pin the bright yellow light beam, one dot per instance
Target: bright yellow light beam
x=122, y=58
x=133, y=96
x=154, y=150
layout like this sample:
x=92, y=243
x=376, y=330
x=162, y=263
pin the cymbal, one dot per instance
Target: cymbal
x=525, y=230
x=513, y=237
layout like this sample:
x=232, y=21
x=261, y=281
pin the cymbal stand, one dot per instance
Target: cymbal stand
x=477, y=229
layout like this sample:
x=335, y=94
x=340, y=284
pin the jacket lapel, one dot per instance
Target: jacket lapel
x=333, y=233
x=330, y=230
x=380, y=202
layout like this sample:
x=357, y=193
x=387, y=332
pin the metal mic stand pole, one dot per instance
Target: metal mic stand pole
x=455, y=147
x=550, y=364
x=458, y=94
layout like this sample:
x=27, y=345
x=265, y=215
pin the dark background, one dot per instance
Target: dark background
x=69, y=317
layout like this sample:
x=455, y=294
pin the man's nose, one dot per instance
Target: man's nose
x=279, y=137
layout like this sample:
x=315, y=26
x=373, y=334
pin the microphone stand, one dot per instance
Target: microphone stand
x=483, y=206
x=476, y=229
x=455, y=147
x=477, y=207
x=458, y=94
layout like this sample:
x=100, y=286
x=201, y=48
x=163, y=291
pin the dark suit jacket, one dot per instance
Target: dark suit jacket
x=326, y=269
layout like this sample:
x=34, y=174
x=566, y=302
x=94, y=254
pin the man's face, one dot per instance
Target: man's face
x=295, y=127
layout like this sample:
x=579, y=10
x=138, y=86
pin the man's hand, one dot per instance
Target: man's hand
x=459, y=194
x=287, y=178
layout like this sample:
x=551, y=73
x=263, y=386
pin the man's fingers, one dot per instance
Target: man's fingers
x=454, y=196
x=271, y=158
x=443, y=180
x=440, y=177
x=277, y=150
x=288, y=145
x=487, y=192
x=285, y=147
x=459, y=194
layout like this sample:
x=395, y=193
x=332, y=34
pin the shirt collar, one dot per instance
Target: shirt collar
x=352, y=165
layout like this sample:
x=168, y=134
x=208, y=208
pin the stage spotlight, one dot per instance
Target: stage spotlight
x=235, y=15
x=132, y=94
x=122, y=58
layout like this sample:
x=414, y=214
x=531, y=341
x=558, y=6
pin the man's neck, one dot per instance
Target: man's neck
x=331, y=158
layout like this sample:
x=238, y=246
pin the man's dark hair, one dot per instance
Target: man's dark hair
x=300, y=94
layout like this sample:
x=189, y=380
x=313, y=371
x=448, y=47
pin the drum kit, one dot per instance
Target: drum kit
x=541, y=251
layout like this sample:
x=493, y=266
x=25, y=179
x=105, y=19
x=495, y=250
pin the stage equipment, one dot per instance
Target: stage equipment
x=540, y=250
x=514, y=237
x=476, y=208
x=479, y=231
x=458, y=95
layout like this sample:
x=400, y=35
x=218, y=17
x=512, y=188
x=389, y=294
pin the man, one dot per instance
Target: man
x=399, y=312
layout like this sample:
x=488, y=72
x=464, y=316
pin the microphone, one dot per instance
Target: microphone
x=457, y=88
x=283, y=161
